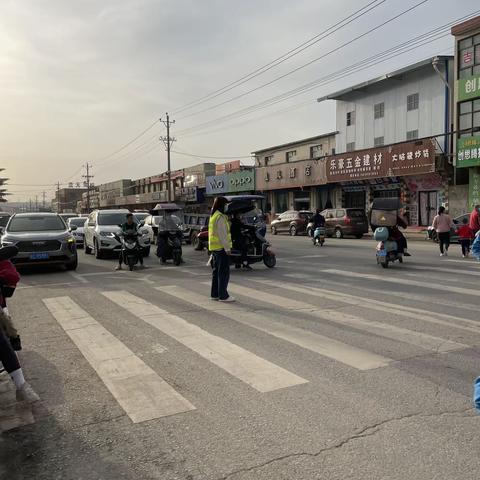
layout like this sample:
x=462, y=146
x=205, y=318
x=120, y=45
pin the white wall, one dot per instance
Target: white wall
x=429, y=119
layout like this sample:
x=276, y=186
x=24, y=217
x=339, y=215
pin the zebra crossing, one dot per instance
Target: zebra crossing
x=282, y=311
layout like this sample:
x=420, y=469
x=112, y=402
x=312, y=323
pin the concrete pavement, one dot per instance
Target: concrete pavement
x=327, y=367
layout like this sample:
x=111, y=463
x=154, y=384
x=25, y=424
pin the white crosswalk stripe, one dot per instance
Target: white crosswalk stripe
x=386, y=307
x=330, y=348
x=393, y=332
x=137, y=388
x=260, y=374
x=445, y=270
x=400, y=281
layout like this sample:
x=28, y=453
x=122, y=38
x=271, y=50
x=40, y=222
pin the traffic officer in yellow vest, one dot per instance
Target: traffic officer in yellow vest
x=220, y=245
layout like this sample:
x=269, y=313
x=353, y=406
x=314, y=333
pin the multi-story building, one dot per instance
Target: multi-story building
x=231, y=178
x=292, y=175
x=393, y=139
x=66, y=199
x=467, y=112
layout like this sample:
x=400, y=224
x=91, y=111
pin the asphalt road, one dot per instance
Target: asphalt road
x=327, y=367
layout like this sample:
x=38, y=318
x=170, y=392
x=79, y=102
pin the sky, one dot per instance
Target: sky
x=80, y=79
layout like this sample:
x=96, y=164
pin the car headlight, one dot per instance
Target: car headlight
x=70, y=240
x=107, y=234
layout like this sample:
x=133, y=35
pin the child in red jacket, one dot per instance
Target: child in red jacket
x=465, y=236
x=9, y=277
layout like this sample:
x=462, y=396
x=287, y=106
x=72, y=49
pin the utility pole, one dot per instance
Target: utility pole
x=44, y=195
x=30, y=204
x=87, y=177
x=168, y=143
x=58, y=197
x=36, y=203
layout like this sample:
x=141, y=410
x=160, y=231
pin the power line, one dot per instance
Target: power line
x=421, y=40
x=283, y=58
x=301, y=67
x=211, y=156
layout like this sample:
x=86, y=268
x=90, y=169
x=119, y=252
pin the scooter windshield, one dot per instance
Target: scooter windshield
x=170, y=222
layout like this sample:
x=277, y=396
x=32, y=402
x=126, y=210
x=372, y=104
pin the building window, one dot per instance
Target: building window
x=378, y=141
x=412, y=102
x=469, y=56
x=268, y=160
x=412, y=134
x=379, y=110
x=350, y=118
x=316, y=151
x=469, y=118
x=350, y=146
x=291, y=156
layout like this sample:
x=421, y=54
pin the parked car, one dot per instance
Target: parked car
x=194, y=223
x=458, y=221
x=345, y=221
x=102, y=230
x=41, y=238
x=78, y=232
x=292, y=221
x=4, y=218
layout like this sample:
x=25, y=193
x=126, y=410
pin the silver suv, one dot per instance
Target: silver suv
x=102, y=230
x=41, y=238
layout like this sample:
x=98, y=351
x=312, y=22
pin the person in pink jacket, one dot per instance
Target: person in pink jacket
x=443, y=224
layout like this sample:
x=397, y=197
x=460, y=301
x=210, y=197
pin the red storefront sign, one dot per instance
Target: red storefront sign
x=413, y=158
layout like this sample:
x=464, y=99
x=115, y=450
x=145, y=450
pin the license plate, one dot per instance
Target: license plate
x=381, y=253
x=39, y=256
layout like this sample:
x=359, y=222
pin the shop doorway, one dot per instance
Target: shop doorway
x=301, y=200
x=427, y=207
x=355, y=199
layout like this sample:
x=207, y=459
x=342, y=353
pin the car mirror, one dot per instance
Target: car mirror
x=2, y=230
x=73, y=228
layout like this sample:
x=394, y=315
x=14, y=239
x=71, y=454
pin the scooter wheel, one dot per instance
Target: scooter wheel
x=385, y=264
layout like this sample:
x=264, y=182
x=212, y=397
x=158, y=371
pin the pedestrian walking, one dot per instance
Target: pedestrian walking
x=465, y=236
x=476, y=246
x=475, y=219
x=442, y=224
x=220, y=246
x=9, y=359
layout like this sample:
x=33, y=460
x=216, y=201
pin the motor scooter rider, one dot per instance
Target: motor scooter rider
x=130, y=227
x=399, y=237
x=239, y=240
x=318, y=221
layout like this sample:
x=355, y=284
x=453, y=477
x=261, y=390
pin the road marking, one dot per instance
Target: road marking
x=261, y=374
x=392, y=309
x=300, y=276
x=468, y=261
x=368, y=276
x=411, y=296
x=445, y=270
x=78, y=277
x=327, y=347
x=386, y=330
x=136, y=387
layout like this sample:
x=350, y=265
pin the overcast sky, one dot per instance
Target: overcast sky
x=81, y=78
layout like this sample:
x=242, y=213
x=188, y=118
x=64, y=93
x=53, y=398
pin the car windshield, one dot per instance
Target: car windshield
x=141, y=216
x=78, y=222
x=305, y=214
x=4, y=220
x=113, y=218
x=36, y=223
x=171, y=221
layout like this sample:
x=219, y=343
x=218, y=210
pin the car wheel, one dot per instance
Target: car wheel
x=359, y=235
x=88, y=250
x=96, y=250
x=293, y=230
x=196, y=243
x=435, y=236
x=274, y=231
x=73, y=264
x=338, y=233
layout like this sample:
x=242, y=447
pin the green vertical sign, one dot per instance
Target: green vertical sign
x=474, y=187
x=468, y=152
x=468, y=88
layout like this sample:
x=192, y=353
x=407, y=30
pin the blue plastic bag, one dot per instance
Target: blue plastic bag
x=476, y=247
x=476, y=393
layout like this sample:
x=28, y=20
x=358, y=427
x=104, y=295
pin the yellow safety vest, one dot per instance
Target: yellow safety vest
x=213, y=240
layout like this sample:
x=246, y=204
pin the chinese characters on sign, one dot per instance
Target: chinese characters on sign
x=468, y=88
x=401, y=159
x=474, y=187
x=468, y=152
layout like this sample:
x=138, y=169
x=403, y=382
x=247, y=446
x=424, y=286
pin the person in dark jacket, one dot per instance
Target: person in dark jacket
x=318, y=221
x=240, y=243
